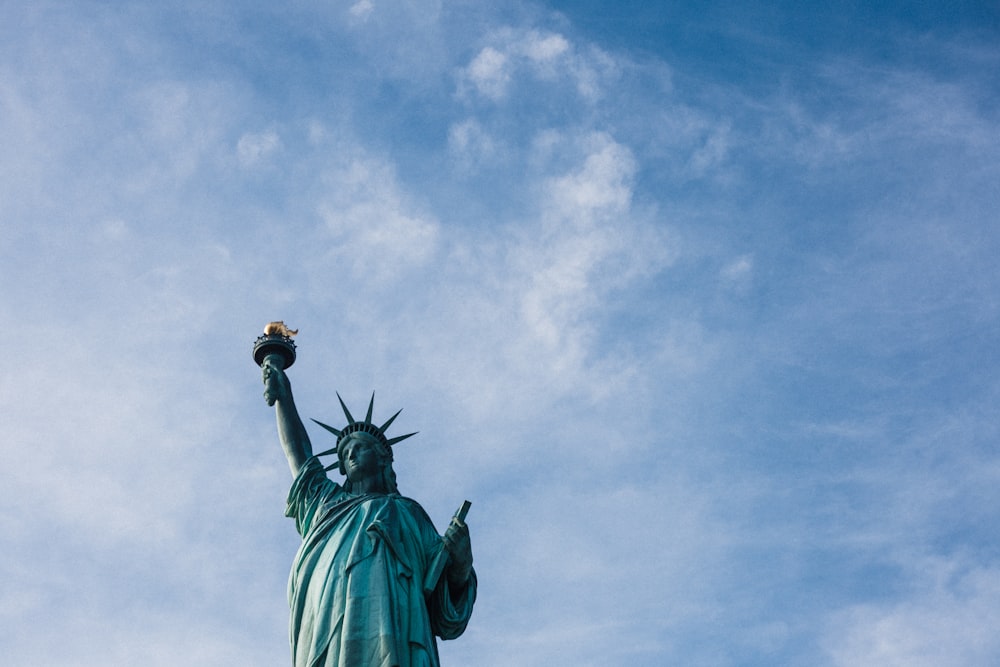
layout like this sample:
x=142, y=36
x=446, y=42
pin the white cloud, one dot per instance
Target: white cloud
x=587, y=244
x=950, y=619
x=471, y=144
x=362, y=9
x=374, y=228
x=712, y=152
x=253, y=148
x=523, y=305
x=115, y=229
x=738, y=273
x=545, y=55
x=530, y=57
x=488, y=73
x=544, y=47
x=602, y=187
x=593, y=71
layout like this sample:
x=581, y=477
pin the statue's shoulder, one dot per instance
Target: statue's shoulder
x=309, y=477
x=411, y=506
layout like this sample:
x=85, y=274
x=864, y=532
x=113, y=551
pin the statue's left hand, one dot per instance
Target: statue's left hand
x=459, y=546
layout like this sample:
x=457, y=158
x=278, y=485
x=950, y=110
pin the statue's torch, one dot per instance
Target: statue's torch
x=276, y=347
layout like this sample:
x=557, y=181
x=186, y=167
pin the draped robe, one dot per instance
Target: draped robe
x=356, y=585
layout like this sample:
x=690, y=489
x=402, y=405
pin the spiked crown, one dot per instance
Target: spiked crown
x=356, y=426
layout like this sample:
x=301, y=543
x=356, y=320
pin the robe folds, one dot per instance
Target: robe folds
x=356, y=585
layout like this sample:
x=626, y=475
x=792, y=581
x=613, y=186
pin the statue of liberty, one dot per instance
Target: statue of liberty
x=365, y=587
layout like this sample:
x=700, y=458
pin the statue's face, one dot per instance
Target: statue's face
x=360, y=456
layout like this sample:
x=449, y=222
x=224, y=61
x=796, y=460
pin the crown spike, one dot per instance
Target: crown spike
x=347, y=413
x=386, y=425
x=371, y=406
x=331, y=429
x=393, y=441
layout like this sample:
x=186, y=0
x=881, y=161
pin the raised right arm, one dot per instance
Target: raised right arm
x=291, y=431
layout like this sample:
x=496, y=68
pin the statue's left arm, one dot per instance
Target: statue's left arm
x=451, y=602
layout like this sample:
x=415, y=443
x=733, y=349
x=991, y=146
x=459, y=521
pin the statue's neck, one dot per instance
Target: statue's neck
x=368, y=485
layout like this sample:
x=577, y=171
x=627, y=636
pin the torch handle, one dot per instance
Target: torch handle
x=276, y=360
x=272, y=383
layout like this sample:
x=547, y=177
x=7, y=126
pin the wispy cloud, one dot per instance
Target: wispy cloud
x=946, y=619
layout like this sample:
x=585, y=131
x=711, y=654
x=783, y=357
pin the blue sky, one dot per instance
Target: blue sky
x=696, y=304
